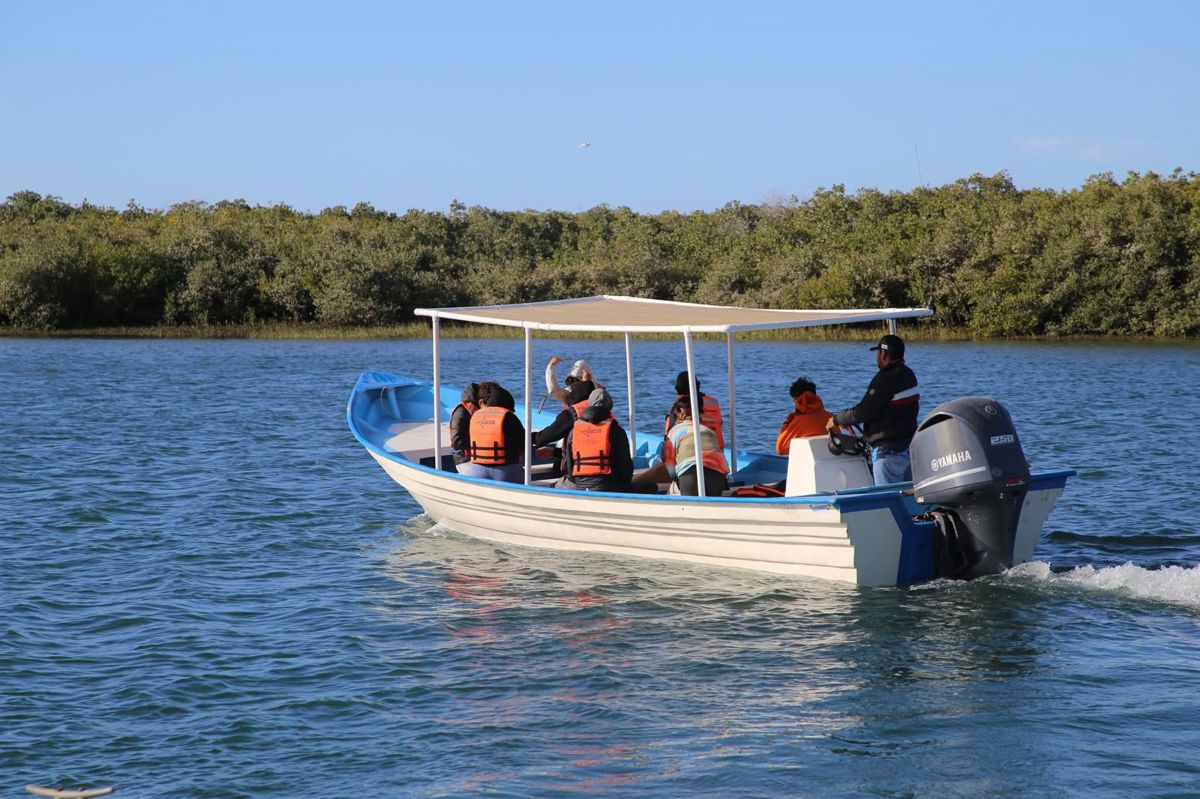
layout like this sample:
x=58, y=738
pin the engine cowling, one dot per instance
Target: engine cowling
x=967, y=460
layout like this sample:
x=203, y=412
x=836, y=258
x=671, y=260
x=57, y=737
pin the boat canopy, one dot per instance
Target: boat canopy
x=631, y=315
x=636, y=315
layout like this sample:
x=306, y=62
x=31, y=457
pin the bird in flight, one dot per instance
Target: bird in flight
x=584, y=144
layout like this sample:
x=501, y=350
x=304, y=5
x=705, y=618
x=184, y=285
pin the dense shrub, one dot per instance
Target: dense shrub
x=1111, y=258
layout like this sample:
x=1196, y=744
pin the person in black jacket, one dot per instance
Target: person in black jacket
x=460, y=426
x=544, y=439
x=887, y=413
x=558, y=429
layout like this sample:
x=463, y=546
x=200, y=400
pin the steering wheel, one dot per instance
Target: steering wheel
x=846, y=444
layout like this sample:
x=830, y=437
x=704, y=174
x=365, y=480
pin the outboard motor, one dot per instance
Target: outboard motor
x=966, y=458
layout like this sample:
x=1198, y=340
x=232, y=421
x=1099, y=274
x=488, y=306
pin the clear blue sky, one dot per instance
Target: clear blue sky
x=686, y=105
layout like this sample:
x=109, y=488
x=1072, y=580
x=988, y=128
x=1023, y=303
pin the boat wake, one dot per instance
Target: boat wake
x=1177, y=585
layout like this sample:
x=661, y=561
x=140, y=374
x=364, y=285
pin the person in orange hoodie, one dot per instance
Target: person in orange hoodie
x=808, y=419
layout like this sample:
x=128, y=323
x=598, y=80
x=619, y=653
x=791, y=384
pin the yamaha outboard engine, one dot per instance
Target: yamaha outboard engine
x=967, y=459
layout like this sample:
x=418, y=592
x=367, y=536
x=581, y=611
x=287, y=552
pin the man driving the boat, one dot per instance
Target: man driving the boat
x=887, y=412
x=597, y=449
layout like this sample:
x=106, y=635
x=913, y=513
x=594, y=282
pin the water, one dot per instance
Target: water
x=210, y=590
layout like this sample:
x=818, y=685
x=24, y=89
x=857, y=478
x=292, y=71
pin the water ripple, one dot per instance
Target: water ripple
x=209, y=590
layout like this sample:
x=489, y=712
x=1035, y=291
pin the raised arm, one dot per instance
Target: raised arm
x=553, y=389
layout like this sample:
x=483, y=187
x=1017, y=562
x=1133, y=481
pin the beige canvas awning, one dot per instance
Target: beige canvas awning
x=635, y=315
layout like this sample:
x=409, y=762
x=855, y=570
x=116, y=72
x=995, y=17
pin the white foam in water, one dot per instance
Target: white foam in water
x=1174, y=584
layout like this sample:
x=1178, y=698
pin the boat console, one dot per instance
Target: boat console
x=814, y=469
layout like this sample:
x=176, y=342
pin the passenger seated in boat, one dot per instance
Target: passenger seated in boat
x=597, y=449
x=807, y=420
x=710, y=409
x=710, y=417
x=497, y=437
x=576, y=400
x=460, y=426
x=579, y=371
x=679, y=455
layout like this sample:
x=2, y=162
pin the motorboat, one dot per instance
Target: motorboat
x=973, y=508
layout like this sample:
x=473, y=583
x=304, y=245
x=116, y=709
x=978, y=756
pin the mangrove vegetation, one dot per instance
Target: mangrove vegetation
x=1112, y=257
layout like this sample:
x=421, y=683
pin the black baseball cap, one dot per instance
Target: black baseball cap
x=892, y=345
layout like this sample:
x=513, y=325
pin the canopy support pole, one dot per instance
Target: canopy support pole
x=629, y=388
x=691, y=368
x=437, y=395
x=528, y=407
x=892, y=327
x=733, y=464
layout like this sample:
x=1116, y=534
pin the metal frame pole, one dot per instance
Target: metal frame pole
x=691, y=368
x=629, y=388
x=733, y=464
x=528, y=407
x=437, y=395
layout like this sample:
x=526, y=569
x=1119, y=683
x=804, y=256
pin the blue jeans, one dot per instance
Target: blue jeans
x=890, y=467
x=508, y=473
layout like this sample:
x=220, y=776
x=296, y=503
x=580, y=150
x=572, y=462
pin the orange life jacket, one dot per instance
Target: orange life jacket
x=469, y=407
x=580, y=407
x=710, y=416
x=760, y=490
x=808, y=420
x=591, y=452
x=487, y=436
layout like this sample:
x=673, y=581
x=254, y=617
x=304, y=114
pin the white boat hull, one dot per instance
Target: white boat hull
x=783, y=537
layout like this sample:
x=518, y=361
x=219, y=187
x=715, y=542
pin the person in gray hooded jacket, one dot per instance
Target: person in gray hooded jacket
x=597, y=449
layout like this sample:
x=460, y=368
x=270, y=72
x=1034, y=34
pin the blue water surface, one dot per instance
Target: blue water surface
x=209, y=589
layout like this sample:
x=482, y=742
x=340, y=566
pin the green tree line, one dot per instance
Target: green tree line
x=1108, y=258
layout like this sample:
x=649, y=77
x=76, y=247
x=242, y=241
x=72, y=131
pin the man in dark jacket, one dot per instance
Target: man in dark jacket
x=887, y=413
x=460, y=426
x=558, y=429
x=597, y=449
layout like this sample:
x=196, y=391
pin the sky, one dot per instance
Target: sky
x=682, y=106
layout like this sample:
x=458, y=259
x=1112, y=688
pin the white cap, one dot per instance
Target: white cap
x=579, y=367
